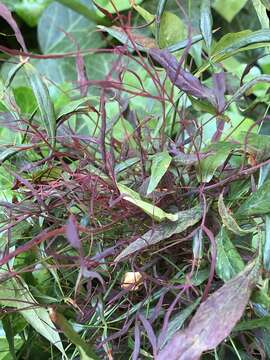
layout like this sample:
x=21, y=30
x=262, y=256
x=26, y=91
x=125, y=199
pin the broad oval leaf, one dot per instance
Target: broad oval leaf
x=163, y=231
x=53, y=38
x=215, y=318
x=160, y=164
x=229, y=263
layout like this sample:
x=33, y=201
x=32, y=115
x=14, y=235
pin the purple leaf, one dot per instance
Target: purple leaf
x=72, y=233
x=180, y=77
x=6, y=14
x=219, y=90
x=215, y=318
x=137, y=342
x=150, y=333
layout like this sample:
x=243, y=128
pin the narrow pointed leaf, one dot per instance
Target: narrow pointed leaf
x=44, y=101
x=6, y=14
x=163, y=231
x=206, y=23
x=86, y=351
x=228, y=220
x=181, y=78
x=215, y=318
x=154, y=211
x=233, y=43
x=229, y=263
x=258, y=203
x=207, y=167
x=15, y=293
x=160, y=164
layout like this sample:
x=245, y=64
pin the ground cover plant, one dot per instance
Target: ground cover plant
x=134, y=179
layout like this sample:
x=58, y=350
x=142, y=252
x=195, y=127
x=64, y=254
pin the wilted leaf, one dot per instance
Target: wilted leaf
x=164, y=231
x=154, y=211
x=15, y=293
x=229, y=263
x=206, y=23
x=258, y=203
x=44, y=101
x=229, y=8
x=228, y=219
x=160, y=164
x=215, y=318
x=85, y=349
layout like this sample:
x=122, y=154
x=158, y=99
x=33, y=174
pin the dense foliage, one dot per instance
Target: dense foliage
x=134, y=179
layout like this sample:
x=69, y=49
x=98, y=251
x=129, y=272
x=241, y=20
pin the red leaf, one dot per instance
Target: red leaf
x=6, y=14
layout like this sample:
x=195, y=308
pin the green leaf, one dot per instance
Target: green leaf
x=209, y=165
x=258, y=203
x=229, y=263
x=163, y=231
x=266, y=3
x=123, y=131
x=228, y=8
x=177, y=321
x=228, y=219
x=172, y=30
x=253, y=324
x=15, y=293
x=261, y=13
x=25, y=99
x=31, y=10
x=44, y=101
x=206, y=22
x=5, y=353
x=85, y=8
x=116, y=5
x=85, y=349
x=160, y=164
x=124, y=39
x=154, y=211
x=233, y=43
x=53, y=38
x=148, y=17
